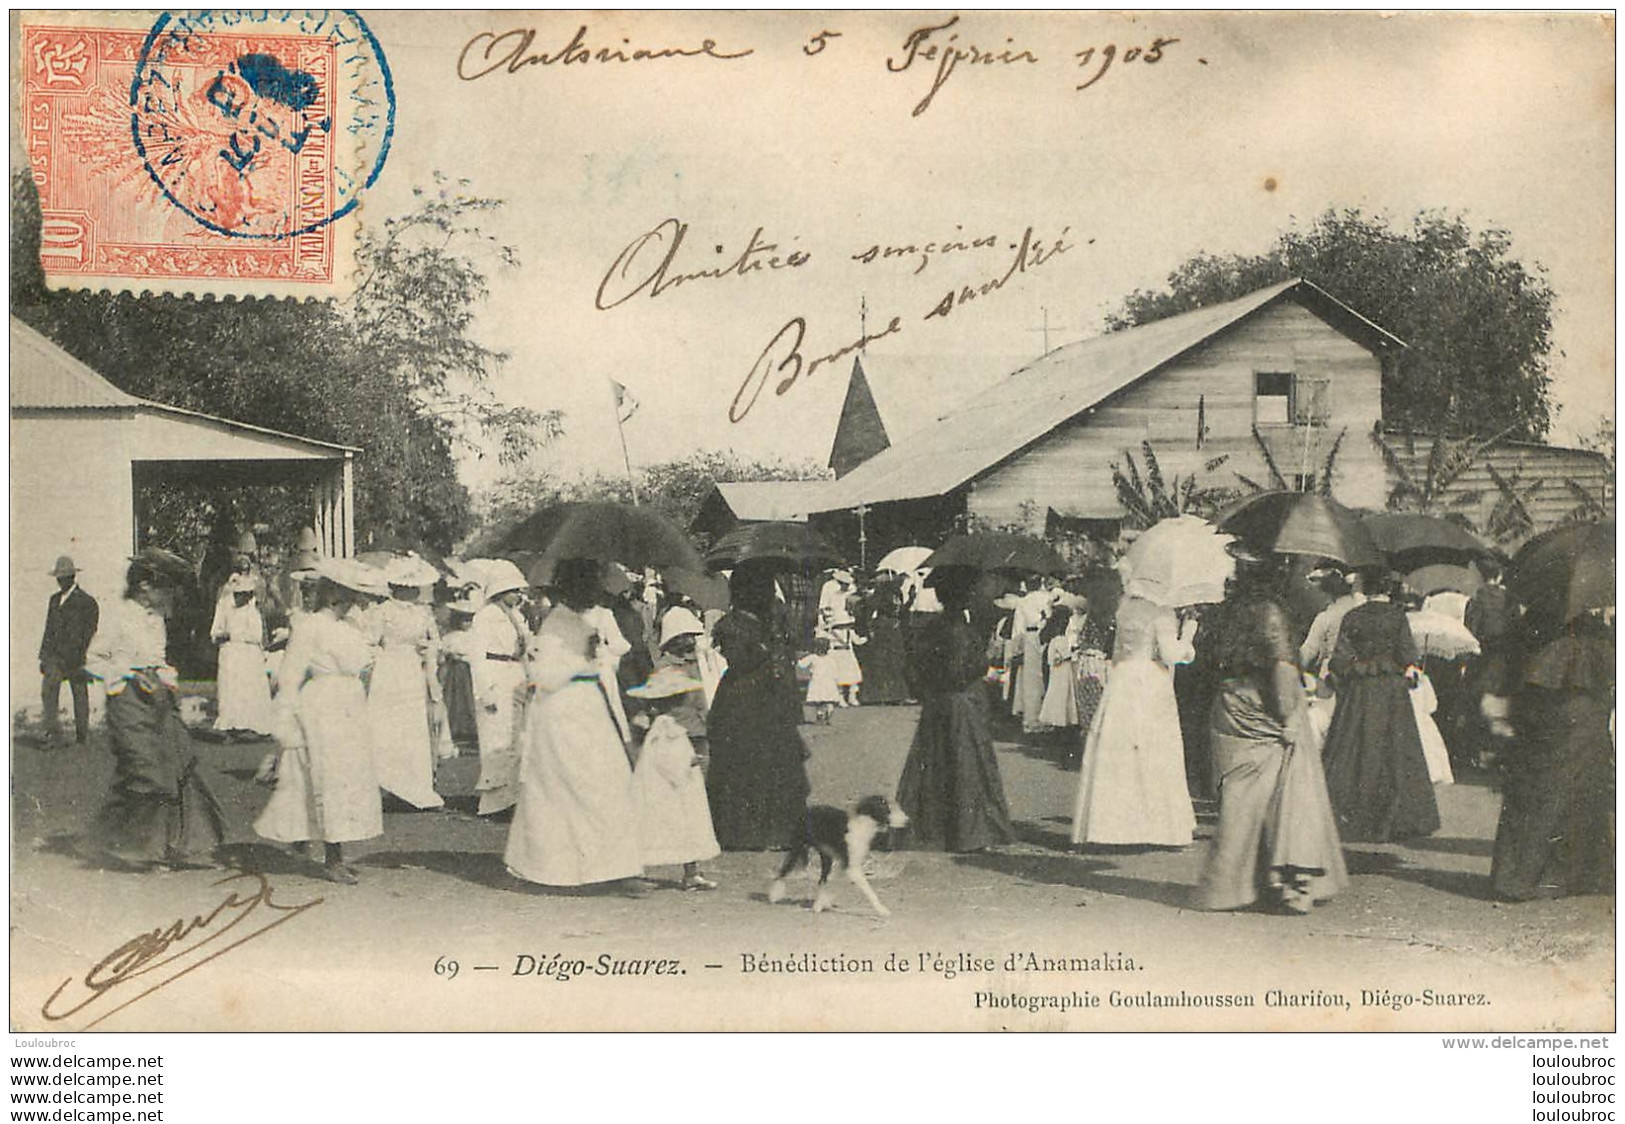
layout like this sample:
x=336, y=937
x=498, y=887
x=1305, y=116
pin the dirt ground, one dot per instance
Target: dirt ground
x=439, y=936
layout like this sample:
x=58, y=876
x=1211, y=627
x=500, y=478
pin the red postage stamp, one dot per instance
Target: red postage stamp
x=216, y=152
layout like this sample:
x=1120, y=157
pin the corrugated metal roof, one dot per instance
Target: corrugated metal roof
x=1013, y=413
x=45, y=377
x=768, y=500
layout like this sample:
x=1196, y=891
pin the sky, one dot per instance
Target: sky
x=1246, y=125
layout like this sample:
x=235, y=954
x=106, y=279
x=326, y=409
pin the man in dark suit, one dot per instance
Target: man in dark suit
x=70, y=623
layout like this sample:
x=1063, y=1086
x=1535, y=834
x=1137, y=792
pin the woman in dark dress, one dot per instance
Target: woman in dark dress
x=950, y=788
x=1276, y=838
x=1376, y=772
x=1556, y=834
x=160, y=810
x=757, y=781
x=884, y=678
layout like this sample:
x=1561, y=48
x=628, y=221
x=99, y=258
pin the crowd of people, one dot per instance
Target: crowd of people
x=621, y=726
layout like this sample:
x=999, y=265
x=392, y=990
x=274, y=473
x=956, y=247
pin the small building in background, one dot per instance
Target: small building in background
x=81, y=452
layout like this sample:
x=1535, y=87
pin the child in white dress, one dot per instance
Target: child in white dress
x=674, y=815
x=823, y=692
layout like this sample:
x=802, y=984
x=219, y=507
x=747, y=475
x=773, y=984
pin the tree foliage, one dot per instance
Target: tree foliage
x=395, y=370
x=1477, y=320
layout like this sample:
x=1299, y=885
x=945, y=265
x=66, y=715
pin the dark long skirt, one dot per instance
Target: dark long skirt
x=462, y=715
x=757, y=781
x=1376, y=773
x=882, y=662
x=950, y=788
x=1556, y=833
x=159, y=809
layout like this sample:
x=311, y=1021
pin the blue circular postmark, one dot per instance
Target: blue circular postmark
x=262, y=123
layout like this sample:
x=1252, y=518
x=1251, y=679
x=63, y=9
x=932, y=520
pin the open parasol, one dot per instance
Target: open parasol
x=904, y=560
x=1564, y=572
x=1301, y=523
x=998, y=550
x=1439, y=634
x=1180, y=561
x=793, y=546
x=708, y=591
x=1410, y=540
x=638, y=537
x=1440, y=576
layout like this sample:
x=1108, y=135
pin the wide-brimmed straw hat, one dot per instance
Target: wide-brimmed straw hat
x=410, y=571
x=240, y=583
x=353, y=575
x=663, y=684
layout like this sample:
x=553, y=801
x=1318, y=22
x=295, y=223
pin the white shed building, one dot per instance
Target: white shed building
x=80, y=446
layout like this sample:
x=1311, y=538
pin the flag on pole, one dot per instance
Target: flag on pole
x=625, y=404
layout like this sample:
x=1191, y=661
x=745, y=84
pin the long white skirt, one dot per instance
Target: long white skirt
x=674, y=815
x=498, y=719
x=1061, y=699
x=398, y=713
x=576, y=821
x=244, y=689
x=1424, y=702
x=1133, y=790
x=326, y=789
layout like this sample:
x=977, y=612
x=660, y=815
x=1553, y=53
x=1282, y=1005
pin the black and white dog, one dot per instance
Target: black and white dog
x=842, y=837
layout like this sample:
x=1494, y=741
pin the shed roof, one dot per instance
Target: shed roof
x=768, y=500
x=1006, y=417
x=45, y=377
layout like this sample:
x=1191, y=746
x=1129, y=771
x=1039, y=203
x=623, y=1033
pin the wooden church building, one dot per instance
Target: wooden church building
x=1036, y=449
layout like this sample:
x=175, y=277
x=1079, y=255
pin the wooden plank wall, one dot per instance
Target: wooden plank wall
x=1070, y=470
x=1549, y=464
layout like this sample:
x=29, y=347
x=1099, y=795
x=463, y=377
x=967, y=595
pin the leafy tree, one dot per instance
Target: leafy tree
x=1477, y=319
x=394, y=370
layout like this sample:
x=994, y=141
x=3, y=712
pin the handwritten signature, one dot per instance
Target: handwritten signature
x=131, y=966
x=489, y=52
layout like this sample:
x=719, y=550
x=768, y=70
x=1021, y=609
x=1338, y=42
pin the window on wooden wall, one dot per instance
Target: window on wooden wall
x=1312, y=400
x=1272, y=398
x=1288, y=398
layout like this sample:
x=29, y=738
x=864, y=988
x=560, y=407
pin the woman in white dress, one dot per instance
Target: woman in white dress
x=576, y=820
x=496, y=663
x=1133, y=788
x=404, y=685
x=327, y=787
x=243, y=687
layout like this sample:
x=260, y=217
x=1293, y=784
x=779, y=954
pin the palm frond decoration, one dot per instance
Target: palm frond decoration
x=1153, y=477
x=1329, y=466
x=1276, y=479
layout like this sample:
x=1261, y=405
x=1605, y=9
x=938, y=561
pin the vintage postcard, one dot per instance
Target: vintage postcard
x=812, y=520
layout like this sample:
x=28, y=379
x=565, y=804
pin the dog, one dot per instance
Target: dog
x=842, y=837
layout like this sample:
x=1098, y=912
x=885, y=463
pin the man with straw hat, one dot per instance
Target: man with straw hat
x=70, y=623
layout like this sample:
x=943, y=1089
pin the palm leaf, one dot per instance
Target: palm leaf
x=1330, y=464
x=1277, y=480
x=1153, y=479
x=1404, y=483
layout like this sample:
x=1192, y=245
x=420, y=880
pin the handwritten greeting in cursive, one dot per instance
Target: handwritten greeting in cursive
x=783, y=354
x=138, y=964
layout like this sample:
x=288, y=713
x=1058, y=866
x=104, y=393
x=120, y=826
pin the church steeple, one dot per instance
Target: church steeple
x=860, y=433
